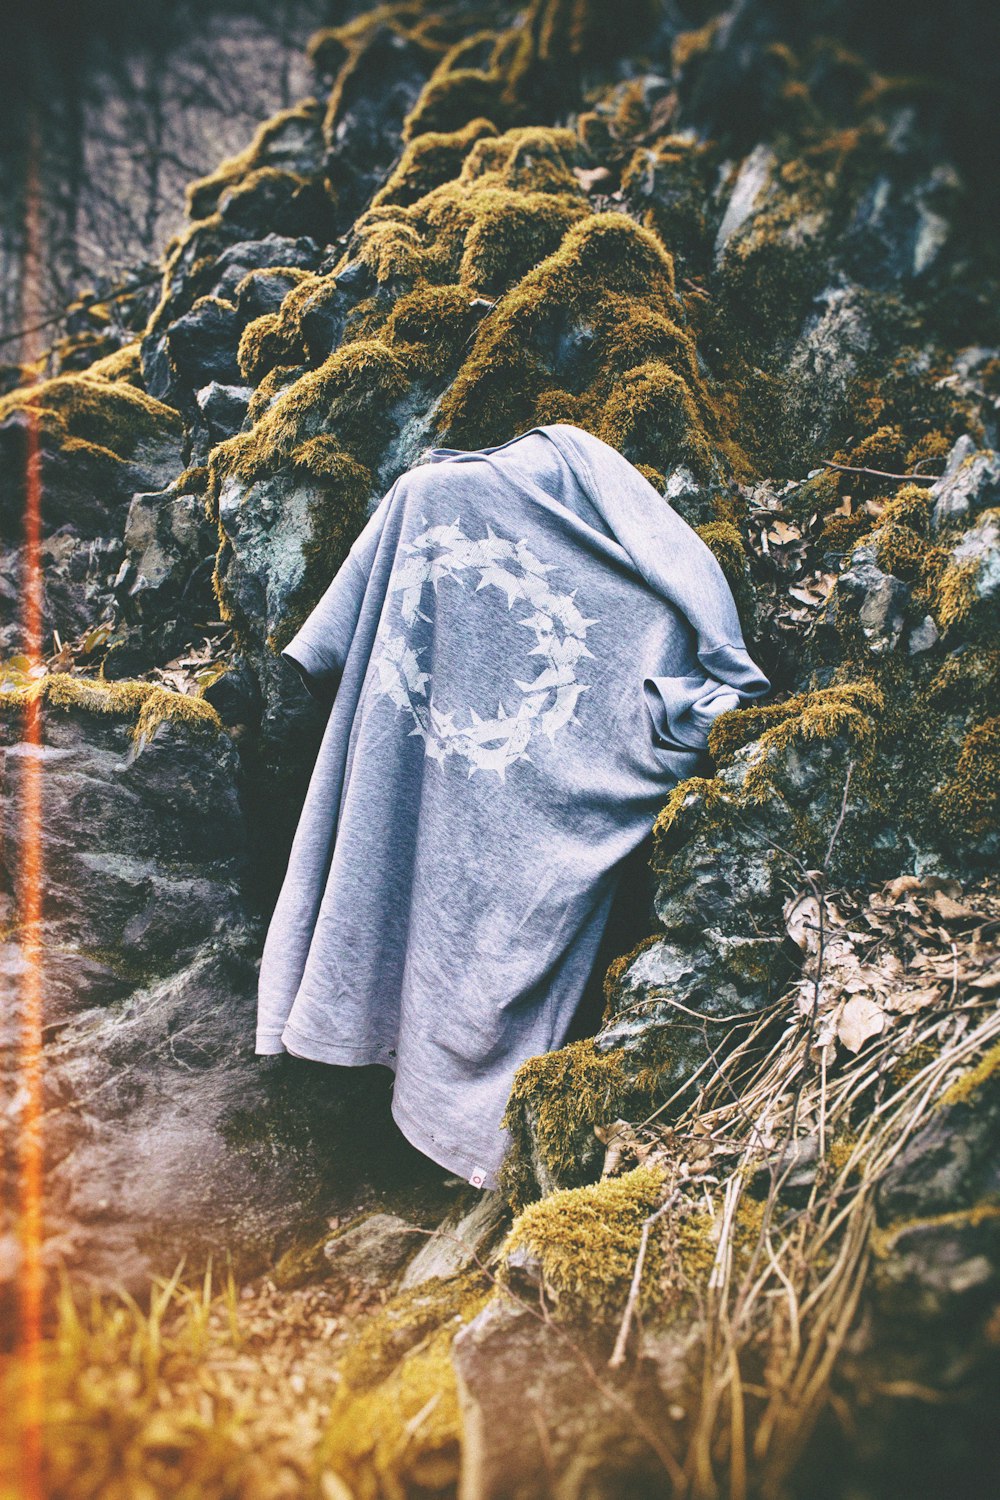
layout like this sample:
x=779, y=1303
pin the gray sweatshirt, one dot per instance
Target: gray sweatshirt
x=524, y=651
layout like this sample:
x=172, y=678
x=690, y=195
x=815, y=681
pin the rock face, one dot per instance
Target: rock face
x=163, y=1134
x=746, y=254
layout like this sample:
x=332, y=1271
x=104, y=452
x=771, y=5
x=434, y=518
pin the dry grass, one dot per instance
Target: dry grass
x=774, y=1322
x=201, y=1394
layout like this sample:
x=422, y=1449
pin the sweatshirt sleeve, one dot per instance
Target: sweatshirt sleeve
x=318, y=651
x=712, y=671
x=683, y=708
x=722, y=676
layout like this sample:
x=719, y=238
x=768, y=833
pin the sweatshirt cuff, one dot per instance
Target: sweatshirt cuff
x=314, y=674
x=268, y=1043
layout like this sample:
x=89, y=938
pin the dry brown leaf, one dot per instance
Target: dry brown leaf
x=860, y=1019
x=942, y=883
x=905, y=1002
x=901, y=886
x=953, y=911
x=782, y=533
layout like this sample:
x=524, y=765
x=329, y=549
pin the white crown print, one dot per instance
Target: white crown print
x=547, y=701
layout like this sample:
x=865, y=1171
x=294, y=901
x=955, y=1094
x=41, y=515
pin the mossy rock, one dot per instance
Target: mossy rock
x=394, y=1428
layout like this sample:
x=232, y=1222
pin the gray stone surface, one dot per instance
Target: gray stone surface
x=971, y=482
x=373, y=1251
x=466, y=1237
x=161, y=1128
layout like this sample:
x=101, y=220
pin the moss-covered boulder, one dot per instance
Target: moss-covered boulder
x=95, y=441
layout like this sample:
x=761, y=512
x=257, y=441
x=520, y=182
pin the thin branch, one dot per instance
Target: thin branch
x=83, y=305
x=618, y=1353
x=828, y=463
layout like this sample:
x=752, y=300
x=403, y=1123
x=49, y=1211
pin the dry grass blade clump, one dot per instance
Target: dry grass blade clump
x=192, y=1392
x=789, y=1136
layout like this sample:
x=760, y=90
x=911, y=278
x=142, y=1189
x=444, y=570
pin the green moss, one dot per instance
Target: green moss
x=438, y=320
x=202, y=197
x=123, y=364
x=502, y=75
x=821, y=715
x=956, y=594
x=92, y=412
x=655, y=477
x=902, y=551
x=842, y=1145
x=669, y=182
x=725, y=542
x=284, y=277
x=614, y=974
x=587, y=1240
x=513, y=234
x=652, y=410
x=192, y=481
x=403, y=1322
x=336, y=515
x=343, y=398
x=929, y=452
x=610, y=284
x=394, y=1428
x=340, y=51
x=557, y=1099
x=693, y=791
x=429, y=161
x=282, y=338
x=885, y=1241
x=968, y=681
x=912, y=1062
x=304, y=1261
x=488, y=223
x=965, y=1089
x=280, y=378
x=456, y=92
x=263, y=344
x=775, y=262
x=970, y=799
x=147, y=704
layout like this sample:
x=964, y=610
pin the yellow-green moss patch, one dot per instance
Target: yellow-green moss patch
x=970, y=798
x=92, y=411
x=147, y=704
x=394, y=1429
x=587, y=1238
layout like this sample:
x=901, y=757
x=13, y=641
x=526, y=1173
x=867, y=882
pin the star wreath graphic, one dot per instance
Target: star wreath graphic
x=547, y=701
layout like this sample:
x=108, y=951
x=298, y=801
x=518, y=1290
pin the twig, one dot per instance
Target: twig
x=618, y=1353
x=828, y=463
x=840, y=819
x=60, y=317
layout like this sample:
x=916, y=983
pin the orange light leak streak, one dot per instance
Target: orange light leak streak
x=30, y=1287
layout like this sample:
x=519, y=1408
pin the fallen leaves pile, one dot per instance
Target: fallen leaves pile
x=915, y=963
x=870, y=963
x=191, y=671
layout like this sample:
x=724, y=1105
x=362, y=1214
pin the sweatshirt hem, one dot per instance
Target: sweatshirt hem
x=337, y=1053
x=469, y=1167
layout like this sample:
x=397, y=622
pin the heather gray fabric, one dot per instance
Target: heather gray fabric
x=527, y=647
